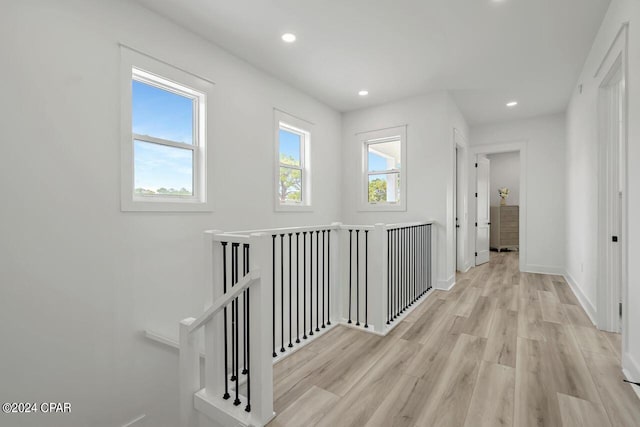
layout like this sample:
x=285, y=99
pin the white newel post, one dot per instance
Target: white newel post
x=214, y=373
x=189, y=373
x=378, y=277
x=261, y=303
x=337, y=268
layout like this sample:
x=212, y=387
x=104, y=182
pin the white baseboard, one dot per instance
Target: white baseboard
x=466, y=268
x=543, y=269
x=631, y=370
x=586, y=304
x=446, y=285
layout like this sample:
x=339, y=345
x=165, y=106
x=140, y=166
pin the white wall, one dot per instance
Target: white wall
x=79, y=278
x=545, y=180
x=581, y=172
x=505, y=172
x=430, y=121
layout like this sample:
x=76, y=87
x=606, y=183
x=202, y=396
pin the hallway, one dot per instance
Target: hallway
x=502, y=348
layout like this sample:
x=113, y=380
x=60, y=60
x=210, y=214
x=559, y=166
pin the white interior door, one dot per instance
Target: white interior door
x=483, y=223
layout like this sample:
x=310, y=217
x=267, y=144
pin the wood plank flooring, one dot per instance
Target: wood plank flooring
x=502, y=348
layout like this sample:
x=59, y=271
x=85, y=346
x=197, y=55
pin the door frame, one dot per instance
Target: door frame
x=460, y=203
x=615, y=60
x=504, y=147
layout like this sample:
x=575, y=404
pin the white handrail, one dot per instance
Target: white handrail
x=224, y=300
x=409, y=224
x=286, y=230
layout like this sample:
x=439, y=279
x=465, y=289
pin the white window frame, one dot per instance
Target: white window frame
x=368, y=139
x=147, y=70
x=303, y=128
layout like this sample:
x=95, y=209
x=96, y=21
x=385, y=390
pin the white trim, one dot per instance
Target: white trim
x=466, y=268
x=135, y=420
x=584, y=301
x=631, y=371
x=461, y=190
x=365, y=139
x=607, y=297
x=507, y=147
x=447, y=284
x=142, y=67
x=304, y=129
x=544, y=269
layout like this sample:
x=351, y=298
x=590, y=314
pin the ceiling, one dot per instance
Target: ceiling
x=486, y=52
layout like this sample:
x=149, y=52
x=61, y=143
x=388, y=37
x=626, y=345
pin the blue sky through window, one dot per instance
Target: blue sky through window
x=377, y=162
x=166, y=115
x=162, y=114
x=290, y=145
x=160, y=166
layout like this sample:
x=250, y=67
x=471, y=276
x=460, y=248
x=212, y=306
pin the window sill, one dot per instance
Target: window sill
x=294, y=208
x=165, y=206
x=382, y=208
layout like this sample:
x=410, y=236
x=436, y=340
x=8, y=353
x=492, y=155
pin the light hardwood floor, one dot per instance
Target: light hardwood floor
x=502, y=348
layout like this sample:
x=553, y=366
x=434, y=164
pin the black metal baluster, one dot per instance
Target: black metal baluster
x=290, y=343
x=404, y=268
x=401, y=253
x=317, y=277
x=429, y=259
x=304, y=285
x=282, y=293
x=357, y=277
x=245, y=311
x=233, y=314
x=366, y=278
x=350, y=274
x=310, y=333
x=226, y=350
x=236, y=402
x=409, y=269
x=273, y=296
x=388, y=277
x=422, y=286
x=394, y=260
x=420, y=261
x=407, y=284
x=247, y=371
x=398, y=272
x=297, y=288
x=248, y=407
x=324, y=261
x=413, y=267
x=328, y=277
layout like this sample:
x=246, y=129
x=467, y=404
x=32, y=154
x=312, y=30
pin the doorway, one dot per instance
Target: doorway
x=460, y=203
x=486, y=194
x=612, y=197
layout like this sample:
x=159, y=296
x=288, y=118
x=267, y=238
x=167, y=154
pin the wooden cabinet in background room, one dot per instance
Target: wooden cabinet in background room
x=505, y=227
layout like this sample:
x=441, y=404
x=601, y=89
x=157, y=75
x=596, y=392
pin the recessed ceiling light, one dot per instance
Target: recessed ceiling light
x=512, y=103
x=288, y=37
x=363, y=93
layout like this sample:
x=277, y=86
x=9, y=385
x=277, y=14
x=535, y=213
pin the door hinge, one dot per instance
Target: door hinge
x=476, y=165
x=476, y=224
x=476, y=194
x=476, y=253
x=620, y=309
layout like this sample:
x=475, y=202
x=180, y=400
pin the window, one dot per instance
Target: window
x=164, y=137
x=384, y=181
x=293, y=174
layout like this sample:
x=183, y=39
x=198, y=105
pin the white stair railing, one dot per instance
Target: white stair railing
x=235, y=335
x=273, y=291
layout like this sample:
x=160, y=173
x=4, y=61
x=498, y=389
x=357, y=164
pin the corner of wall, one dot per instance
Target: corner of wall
x=586, y=304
